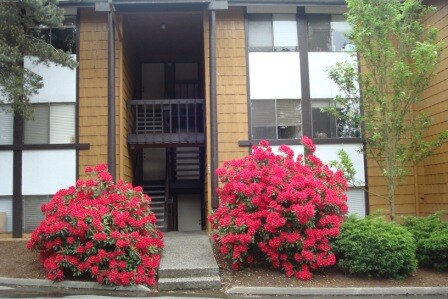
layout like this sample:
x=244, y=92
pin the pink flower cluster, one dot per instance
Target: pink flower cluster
x=101, y=230
x=279, y=210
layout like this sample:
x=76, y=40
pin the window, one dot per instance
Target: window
x=6, y=125
x=51, y=124
x=326, y=33
x=276, y=119
x=32, y=214
x=272, y=32
x=61, y=38
x=326, y=125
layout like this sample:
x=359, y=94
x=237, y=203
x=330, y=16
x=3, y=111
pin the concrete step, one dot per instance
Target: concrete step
x=185, y=283
x=188, y=272
x=188, y=262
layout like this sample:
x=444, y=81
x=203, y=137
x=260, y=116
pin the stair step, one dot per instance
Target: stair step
x=206, y=282
x=188, y=272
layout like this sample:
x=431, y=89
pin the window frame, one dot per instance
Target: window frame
x=273, y=47
x=48, y=132
x=276, y=125
x=330, y=30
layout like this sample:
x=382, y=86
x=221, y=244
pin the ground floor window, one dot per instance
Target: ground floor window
x=53, y=123
x=32, y=214
x=276, y=119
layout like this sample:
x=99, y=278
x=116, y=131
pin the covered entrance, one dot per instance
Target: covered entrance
x=164, y=56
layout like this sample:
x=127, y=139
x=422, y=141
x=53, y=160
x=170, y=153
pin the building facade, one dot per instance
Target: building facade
x=193, y=84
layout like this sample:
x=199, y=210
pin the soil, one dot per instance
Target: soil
x=18, y=262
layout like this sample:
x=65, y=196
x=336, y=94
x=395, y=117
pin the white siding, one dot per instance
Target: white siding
x=59, y=82
x=6, y=158
x=274, y=75
x=322, y=87
x=329, y=152
x=46, y=171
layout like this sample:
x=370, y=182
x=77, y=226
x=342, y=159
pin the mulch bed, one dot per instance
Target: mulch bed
x=18, y=262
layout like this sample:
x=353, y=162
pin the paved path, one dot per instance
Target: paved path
x=188, y=262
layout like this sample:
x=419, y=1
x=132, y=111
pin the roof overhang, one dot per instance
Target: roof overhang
x=150, y=5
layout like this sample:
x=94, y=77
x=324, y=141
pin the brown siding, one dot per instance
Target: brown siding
x=231, y=84
x=231, y=87
x=93, y=94
x=92, y=88
x=425, y=191
x=433, y=171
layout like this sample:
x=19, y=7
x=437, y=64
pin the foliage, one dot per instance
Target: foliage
x=431, y=235
x=101, y=230
x=375, y=248
x=279, y=210
x=21, y=24
x=345, y=164
x=399, y=56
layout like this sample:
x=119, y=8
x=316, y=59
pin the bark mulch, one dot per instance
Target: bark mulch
x=18, y=262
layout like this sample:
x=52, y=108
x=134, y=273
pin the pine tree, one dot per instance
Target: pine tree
x=21, y=26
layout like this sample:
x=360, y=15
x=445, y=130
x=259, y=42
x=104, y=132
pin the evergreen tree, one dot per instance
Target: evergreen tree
x=21, y=34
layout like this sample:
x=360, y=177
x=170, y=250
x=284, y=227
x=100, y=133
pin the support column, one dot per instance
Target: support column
x=302, y=32
x=111, y=142
x=17, y=201
x=213, y=109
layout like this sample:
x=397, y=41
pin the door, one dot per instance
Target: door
x=189, y=212
x=153, y=81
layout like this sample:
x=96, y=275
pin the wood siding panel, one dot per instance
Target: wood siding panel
x=231, y=89
x=92, y=93
x=433, y=172
x=231, y=83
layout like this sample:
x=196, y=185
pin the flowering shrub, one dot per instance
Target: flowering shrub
x=101, y=230
x=279, y=210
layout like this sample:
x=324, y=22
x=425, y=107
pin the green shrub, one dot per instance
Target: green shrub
x=375, y=248
x=431, y=235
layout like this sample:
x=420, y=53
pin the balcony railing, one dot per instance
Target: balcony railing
x=167, y=121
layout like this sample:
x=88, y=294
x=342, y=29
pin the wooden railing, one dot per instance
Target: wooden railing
x=167, y=121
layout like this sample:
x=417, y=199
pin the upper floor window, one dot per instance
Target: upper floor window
x=326, y=33
x=276, y=119
x=326, y=125
x=53, y=123
x=272, y=32
x=62, y=38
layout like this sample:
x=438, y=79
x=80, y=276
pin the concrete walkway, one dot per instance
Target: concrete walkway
x=188, y=262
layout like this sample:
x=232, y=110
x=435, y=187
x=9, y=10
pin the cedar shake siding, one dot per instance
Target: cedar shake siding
x=433, y=171
x=425, y=190
x=93, y=94
x=231, y=89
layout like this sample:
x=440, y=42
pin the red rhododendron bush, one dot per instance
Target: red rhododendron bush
x=101, y=230
x=279, y=210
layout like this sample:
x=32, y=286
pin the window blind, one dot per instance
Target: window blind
x=36, y=130
x=62, y=123
x=288, y=112
x=6, y=126
x=260, y=32
x=285, y=32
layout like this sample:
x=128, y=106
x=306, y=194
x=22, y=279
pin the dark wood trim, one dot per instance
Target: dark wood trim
x=111, y=142
x=78, y=24
x=302, y=35
x=213, y=109
x=249, y=107
x=17, y=203
x=297, y=141
x=62, y=146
